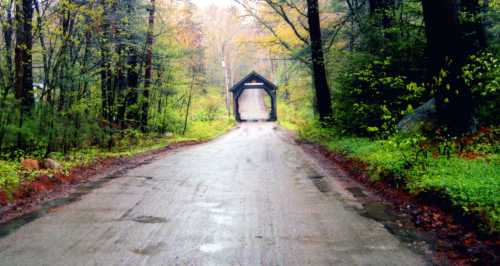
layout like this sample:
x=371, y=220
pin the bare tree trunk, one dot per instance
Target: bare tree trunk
x=7, y=31
x=23, y=62
x=131, y=98
x=41, y=39
x=190, y=96
x=226, y=80
x=148, y=67
x=23, y=57
x=106, y=95
x=133, y=84
x=120, y=78
x=323, y=96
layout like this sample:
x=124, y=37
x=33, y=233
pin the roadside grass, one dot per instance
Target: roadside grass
x=471, y=184
x=206, y=130
x=12, y=174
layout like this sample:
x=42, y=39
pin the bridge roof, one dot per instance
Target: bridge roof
x=253, y=78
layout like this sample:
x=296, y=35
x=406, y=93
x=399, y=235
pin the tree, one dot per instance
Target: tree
x=149, y=66
x=7, y=34
x=323, y=98
x=23, y=57
x=131, y=98
x=448, y=51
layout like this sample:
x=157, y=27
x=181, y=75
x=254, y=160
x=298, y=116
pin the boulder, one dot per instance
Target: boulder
x=51, y=164
x=421, y=119
x=30, y=164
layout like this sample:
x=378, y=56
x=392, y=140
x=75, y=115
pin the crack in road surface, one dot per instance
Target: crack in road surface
x=247, y=198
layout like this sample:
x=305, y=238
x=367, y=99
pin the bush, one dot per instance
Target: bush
x=8, y=175
x=370, y=101
x=483, y=76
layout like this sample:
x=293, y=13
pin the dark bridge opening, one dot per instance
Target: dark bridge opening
x=249, y=99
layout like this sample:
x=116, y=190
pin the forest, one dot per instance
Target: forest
x=408, y=88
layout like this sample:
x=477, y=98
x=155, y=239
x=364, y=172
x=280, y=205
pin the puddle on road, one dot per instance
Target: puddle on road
x=409, y=234
x=398, y=225
x=378, y=211
x=320, y=183
x=143, y=177
x=149, y=220
x=151, y=249
x=357, y=192
x=13, y=225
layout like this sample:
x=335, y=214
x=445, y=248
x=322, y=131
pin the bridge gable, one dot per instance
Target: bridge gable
x=253, y=81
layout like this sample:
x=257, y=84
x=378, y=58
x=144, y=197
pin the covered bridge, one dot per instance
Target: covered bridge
x=254, y=81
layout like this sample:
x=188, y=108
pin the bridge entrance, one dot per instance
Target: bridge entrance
x=250, y=101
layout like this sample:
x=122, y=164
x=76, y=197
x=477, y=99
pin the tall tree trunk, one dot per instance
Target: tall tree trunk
x=131, y=98
x=447, y=52
x=23, y=82
x=7, y=31
x=148, y=67
x=323, y=96
x=23, y=58
x=190, y=96
x=120, y=78
x=106, y=72
x=133, y=84
x=226, y=80
x=105, y=82
x=41, y=39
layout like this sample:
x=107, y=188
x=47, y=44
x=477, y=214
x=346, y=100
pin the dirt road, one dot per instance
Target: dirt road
x=251, y=197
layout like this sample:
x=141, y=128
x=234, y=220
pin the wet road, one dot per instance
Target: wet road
x=251, y=197
x=252, y=106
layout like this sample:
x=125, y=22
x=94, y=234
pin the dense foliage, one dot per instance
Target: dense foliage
x=100, y=71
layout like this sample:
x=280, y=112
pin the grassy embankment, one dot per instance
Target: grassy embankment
x=12, y=174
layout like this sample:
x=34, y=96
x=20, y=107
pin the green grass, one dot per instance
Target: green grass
x=473, y=185
x=11, y=173
x=205, y=130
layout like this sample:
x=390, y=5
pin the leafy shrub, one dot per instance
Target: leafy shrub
x=370, y=100
x=483, y=76
x=8, y=175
